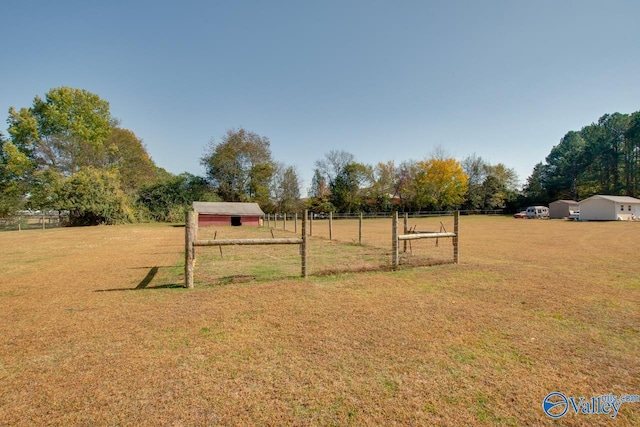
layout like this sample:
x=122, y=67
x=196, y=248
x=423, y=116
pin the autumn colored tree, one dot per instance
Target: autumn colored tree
x=440, y=183
x=488, y=186
x=384, y=187
x=285, y=189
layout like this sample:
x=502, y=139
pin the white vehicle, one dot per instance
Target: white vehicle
x=537, y=212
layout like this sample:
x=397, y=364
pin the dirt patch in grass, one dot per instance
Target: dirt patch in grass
x=97, y=331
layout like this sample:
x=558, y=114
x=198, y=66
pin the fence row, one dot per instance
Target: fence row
x=412, y=214
x=33, y=222
x=290, y=221
x=386, y=231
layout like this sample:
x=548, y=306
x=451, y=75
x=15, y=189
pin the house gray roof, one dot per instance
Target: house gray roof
x=615, y=199
x=228, y=208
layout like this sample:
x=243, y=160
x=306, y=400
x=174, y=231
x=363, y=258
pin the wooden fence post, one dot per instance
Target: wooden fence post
x=330, y=225
x=406, y=230
x=284, y=221
x=310, y=223
x=189, y=249
x=394, y=241
x=303, y=248
x=456, y=230
x=295, y=223
x=360, y=229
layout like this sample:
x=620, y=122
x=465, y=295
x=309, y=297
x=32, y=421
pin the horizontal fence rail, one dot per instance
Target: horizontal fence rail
x=242, y=242
x=416, y=236
x=397, y=238
x=33, y=221
x=191, y=242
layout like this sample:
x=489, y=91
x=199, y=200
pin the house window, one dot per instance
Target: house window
x=629, y=208
x=621, y=208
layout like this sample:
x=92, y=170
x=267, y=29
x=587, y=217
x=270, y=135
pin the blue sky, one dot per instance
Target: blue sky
x=382, y=80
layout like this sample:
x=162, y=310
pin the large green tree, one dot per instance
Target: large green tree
x=170, y=197
x=240, y=166
x=632, y=156
x=346, y=188
x=602, y=157
x=63, y=143
x=127, y=153
x=15, y=169
x=67, y=130
x=566, y=164
x=93, y=196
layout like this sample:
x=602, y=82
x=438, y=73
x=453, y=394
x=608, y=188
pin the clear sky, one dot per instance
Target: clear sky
x=383, y=80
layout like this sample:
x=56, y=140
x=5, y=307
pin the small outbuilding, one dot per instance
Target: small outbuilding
x=562, y=209
x=228, y=213
x=609, y=208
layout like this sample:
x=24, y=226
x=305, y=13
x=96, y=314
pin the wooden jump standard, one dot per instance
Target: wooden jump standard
x=396, y=238
x=191, y=242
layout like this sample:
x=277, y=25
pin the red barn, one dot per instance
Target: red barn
x=228, y=213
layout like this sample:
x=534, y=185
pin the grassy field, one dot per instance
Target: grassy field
x=96, y=329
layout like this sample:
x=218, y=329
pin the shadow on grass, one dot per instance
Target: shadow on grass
x=246, y=278
x=148, y=278
x=144, y=283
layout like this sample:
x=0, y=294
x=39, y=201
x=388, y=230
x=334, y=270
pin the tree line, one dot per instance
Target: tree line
x=439, y=182
x=66, y=152
x=601, y=158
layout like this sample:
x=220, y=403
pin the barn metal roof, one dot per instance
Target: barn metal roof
x=228, y=208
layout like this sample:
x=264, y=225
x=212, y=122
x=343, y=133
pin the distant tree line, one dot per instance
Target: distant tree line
x=601, y=158
x=67, y=153
x=437, y=183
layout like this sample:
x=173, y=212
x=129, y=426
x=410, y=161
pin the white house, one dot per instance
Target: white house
x=609, y=208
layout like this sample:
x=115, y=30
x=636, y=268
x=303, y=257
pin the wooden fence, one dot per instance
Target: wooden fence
x=191, y=242
x=33, y=221
x=396, y=238
x=273, y=221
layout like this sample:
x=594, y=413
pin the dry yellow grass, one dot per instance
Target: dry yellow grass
x=534, y=307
